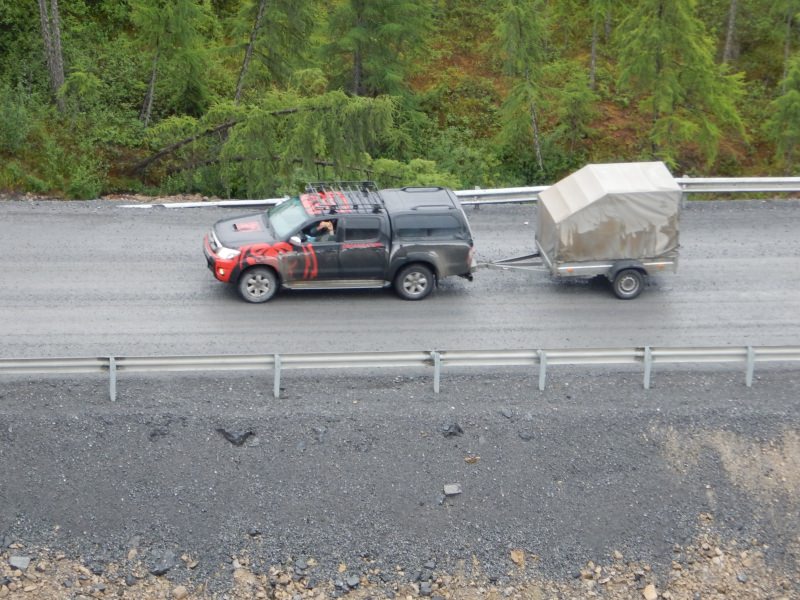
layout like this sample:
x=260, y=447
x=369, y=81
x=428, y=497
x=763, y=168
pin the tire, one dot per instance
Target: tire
x=628, y=284
x=414, y=282
x=258, y=284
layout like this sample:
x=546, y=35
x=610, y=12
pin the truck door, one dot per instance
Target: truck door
x=364, y=251
x=317, y=258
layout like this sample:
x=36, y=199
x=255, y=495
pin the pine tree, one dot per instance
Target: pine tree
x=288, y=134
x=600, y=13
x=379, y=40
x=170, y=30
x=278, y=33
x=790, y=12
x=783, y=126
x=667, y=60
x=521, y=32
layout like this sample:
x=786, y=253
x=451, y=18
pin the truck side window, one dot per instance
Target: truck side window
x=362, y=229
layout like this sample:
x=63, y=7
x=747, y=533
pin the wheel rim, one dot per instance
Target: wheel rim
x=415, y=283
x=628, y=284
x=257, y=286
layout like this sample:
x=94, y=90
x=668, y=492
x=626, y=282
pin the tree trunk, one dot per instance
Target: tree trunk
x=248, y=54
x=147, y=105
x=727, y=53
x=357, y=71
x=536, y=142
x=593, y=59
x=51, y=36
x=787, y=45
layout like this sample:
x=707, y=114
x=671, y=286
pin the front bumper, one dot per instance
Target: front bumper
x=221, y=268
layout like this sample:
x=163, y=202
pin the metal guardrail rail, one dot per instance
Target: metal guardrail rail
x=477, y=197
x=647, y=356
x=690, y=185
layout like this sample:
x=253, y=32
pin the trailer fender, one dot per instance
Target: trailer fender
x=621, y=265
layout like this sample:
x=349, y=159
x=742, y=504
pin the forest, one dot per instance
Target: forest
x=254, y=98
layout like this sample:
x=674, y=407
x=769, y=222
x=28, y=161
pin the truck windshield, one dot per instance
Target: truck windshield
x=287, y=217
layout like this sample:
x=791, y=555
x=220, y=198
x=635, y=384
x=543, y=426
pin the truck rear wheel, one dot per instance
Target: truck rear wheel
x=414, y=282
x=258, y=284
x=628, y=284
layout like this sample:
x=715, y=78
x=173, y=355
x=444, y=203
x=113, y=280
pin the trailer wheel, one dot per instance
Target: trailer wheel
x=628, y=284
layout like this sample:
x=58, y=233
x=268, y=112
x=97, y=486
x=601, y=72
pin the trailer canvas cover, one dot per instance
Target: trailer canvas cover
x=610, y=211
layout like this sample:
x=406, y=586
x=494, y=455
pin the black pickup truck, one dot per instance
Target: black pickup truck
x=345, y=235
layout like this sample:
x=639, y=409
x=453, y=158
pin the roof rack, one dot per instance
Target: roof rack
x=343, y=197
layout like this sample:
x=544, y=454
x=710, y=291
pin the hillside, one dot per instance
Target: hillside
x=245, y=98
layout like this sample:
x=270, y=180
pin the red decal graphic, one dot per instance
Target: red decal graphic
x=262, y=253
x=247, y=226
x=255, y=254
x=350, y=245
x=318, y=204
x=310, y=270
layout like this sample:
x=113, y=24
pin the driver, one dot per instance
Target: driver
x=323, y=231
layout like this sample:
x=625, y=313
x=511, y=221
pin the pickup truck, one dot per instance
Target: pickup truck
x=345, y=235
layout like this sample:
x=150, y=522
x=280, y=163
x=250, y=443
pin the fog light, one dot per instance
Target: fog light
x=221, y=271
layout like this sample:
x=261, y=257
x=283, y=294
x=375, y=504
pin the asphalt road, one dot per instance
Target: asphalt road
x=350, y=468
x=96, y=279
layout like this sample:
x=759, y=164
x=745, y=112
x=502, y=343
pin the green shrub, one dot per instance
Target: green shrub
x=15, y=121
x=86, y=180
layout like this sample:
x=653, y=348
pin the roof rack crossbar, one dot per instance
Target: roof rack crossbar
x=346, y=196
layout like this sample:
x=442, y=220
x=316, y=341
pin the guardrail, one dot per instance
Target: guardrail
x=647, y=356
x=690, y=185
x=477, y=197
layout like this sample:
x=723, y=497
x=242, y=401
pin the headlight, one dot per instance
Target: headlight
x=227, y=253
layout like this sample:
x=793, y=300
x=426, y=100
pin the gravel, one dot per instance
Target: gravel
x=338, y=487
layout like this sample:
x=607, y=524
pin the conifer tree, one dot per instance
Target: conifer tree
x=521, y=34
x=790, y=12
x=783, y=126
x=170, y=31
x=667, y=59
x=278, y=33
x=600, y=13
x=378, y=40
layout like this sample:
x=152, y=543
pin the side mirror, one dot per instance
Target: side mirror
x=295, y=240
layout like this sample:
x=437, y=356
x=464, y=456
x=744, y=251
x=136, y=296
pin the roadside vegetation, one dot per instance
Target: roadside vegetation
x=252, y=98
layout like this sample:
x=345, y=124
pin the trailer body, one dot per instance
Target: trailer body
x=617, y=220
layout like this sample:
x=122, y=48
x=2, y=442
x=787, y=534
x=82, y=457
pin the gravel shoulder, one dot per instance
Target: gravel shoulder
x=209, y=486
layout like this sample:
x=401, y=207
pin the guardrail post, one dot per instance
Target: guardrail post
x=648, y=365
x=751, y=365
x=542, y=368
x=112, y=378
x=437, y=368
x=276, y=376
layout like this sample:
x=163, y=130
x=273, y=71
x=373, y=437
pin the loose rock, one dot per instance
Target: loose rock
x=237, y=438
x=19, y=562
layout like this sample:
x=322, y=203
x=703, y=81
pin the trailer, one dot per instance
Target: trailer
x=619, y=221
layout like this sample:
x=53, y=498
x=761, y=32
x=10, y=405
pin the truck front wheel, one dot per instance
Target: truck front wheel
x=414, y=282
x=628, y=284
x=258, y=284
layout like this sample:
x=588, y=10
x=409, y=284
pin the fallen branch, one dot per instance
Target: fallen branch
x=144, y=164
